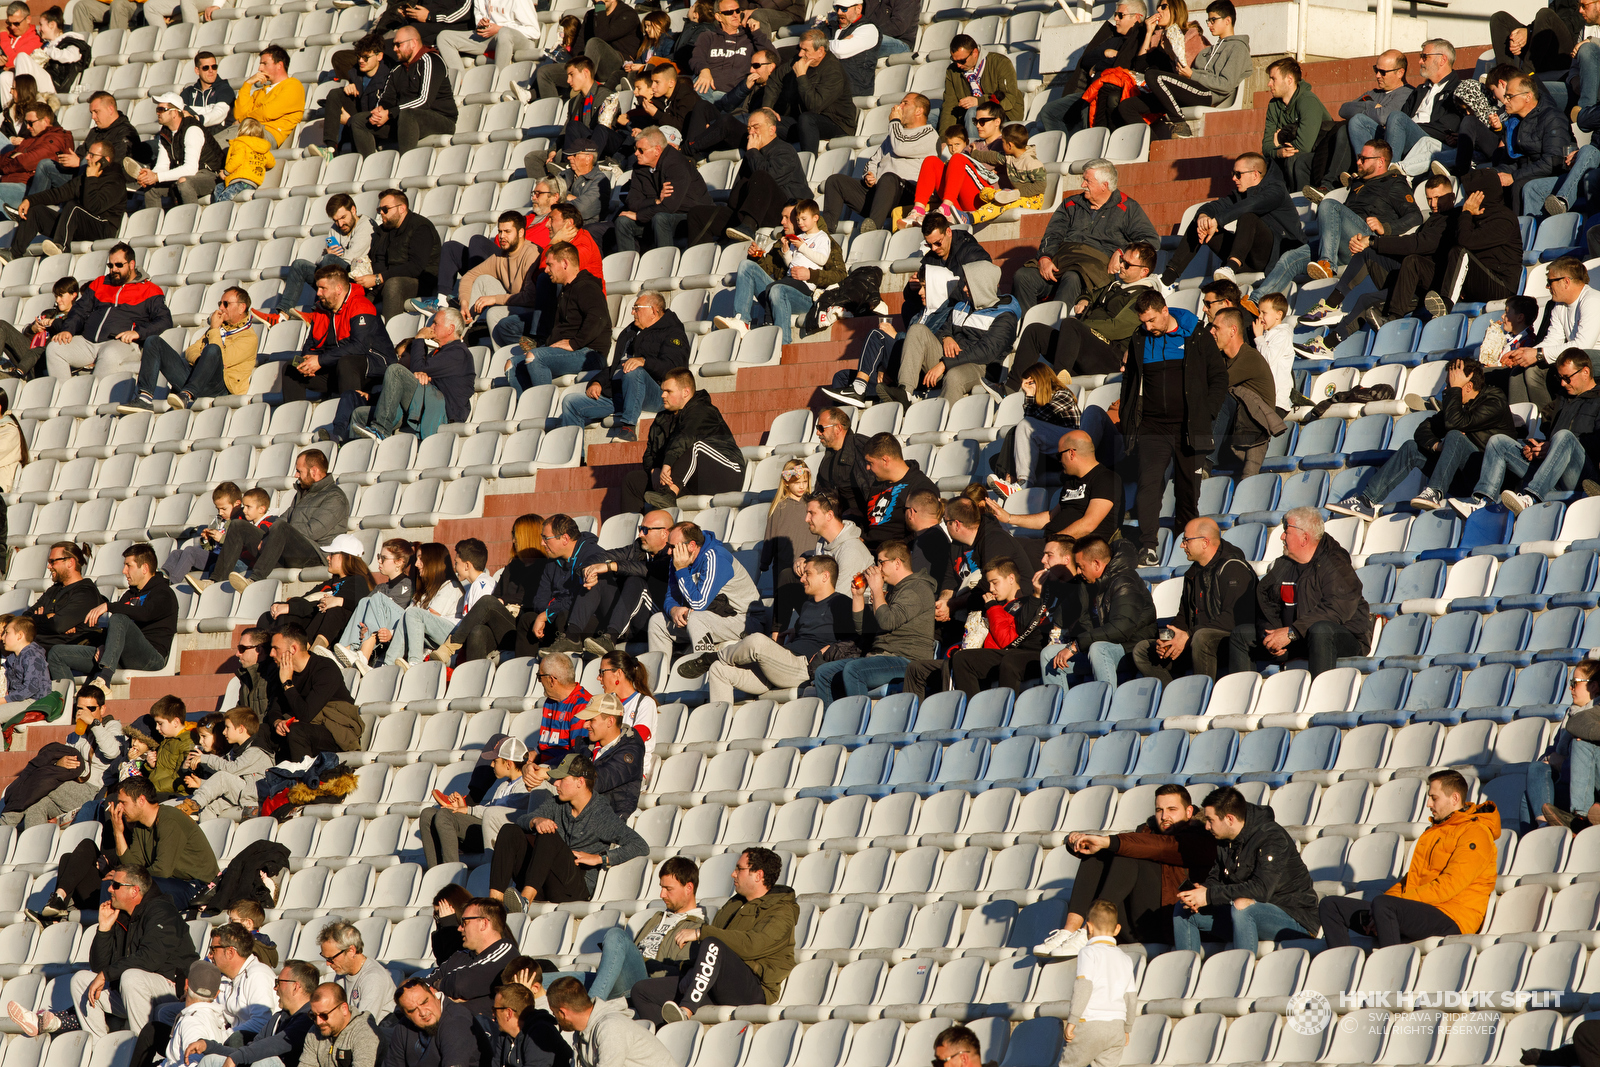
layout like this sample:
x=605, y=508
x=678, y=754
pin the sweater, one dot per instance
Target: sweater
x=903, y=149
x=174, y=848
x=249, y=159
x=359, y=1039
x=582, y=318
x=727, y=55
x=278, y=107
x=515, y=271
x=409, y=250
x=154, y=607
x=613, y=1039
x=903, y=624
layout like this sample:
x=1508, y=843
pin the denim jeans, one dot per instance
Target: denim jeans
x=1290, y=266
x=888, y=46
x=301, y=273
x=1098, y=663
x=1338, y=224
x=1539, y=789
x=662, y=225
x=1561, y=465
x=124, y=646
x=621, y=965
x=1453, y=455
x=517, y=324
x=640, y=393
x=417, y=629
x=1235, y=927
x=47, y=175
x=394, y=399
x=1583, y=774
x=1575, y=187
x=543, y=366
x=858, y=676
x=231, y=190
x=750, y=282
x=1412, y=147
x=377, y=612
x=1588, y=88
x=203, y=378
x=1053, y=116
x=785, y=301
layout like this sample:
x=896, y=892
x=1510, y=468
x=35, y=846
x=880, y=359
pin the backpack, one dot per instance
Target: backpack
x=858, y=294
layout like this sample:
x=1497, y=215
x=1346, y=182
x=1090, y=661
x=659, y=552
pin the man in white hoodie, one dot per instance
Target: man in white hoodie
x=249, y=989
x=202, y=1018
x=606, y=1033
x=892, y=168
x=507, y=26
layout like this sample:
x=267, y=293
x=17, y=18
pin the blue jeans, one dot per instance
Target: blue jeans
x=621, y=965
x=394, y=400
x=1588, y=88
x=1053, y=116
x=1583, y=774
x=1453, y=454
x=785, y=301
x=419, y=628
x=543, y=366
x=49, y=176
x=662, y=225
x=232, y=189
x=517, y=324
x=1236, y=927
x=860, y=676
x=640, y=393
x=181, y=890
x=1561, y=464
x=1575, y=187
x=1539, y=789
x=1338, y=224
x=712, y=96
x=378, y=612
x=300, y=274
x=888, y=46
x=1098, y=663
x=1406, y=139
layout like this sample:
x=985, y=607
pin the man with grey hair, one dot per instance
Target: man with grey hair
x=770, y=176
x=427, y=387
x=664, y=187
x=1075, y=251
x=951, y=360
x=1310, y=598
x=367, y=984
x=563, y=699
x=1427, y=121
x=647, y=350
x=828, y=108
x=1115, y=44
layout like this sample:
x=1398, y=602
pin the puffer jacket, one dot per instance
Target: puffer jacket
x=1120, y=608
x=761, y=933
x=1263, y=864
x=663, y=346
x=320, y=512
x=1541, y=139
x=106, y=309
x=618, y=772
x=1454, y=865
x=1185, y=852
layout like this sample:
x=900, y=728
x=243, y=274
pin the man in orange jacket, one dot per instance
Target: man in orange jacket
x=1446, y=890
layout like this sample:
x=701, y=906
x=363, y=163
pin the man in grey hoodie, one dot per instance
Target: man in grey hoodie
x=1217, y=72
x=606, y=1034
x=836, y=537
x=318, y=515
x=892, y=168
x=901, y=623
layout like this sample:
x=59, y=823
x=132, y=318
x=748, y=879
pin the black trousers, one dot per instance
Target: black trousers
x=1395, y=920
x=1158, y=446
x=1074, y=348
x=1321, y=647
x=1211, y=652
x=303, y=739
x=811, y=128
x=1476, y=281
x=973, y=670
x=280, y=543
x=348, y=375
x=705, y=471
x=1250, y=245
x=78, y=876
x=624, y=610
x=488, y=626
x=1401, y=284
x=64, y=224
x=1165, y=95
x=1586, y=1043
x=870, y=201
x=754, y=201
x=1134, y=886
x=540, y=861
x=714, y=975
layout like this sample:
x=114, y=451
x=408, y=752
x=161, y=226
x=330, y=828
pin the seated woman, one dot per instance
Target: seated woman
x=381, y=610
x=324, y=612
x=438, y=593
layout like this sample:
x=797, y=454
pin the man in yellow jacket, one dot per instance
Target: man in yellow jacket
x=1445, y=891
x=271, y=97
x=217, y=363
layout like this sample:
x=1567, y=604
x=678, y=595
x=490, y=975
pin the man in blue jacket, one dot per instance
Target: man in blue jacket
x=561, y=584
x=113, y=318
x=428, y=388
x=707, y=596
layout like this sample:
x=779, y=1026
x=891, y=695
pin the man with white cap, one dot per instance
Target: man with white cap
x=202, y=1018
x=617, y=752
x=187, y=158
x=443, y=829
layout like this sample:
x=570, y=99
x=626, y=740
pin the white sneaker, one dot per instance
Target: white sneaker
x=732, y=322
x=1466, y=506
x=1223, y=271
x=1516, y=502
x=523, y=94
x=1063, y=944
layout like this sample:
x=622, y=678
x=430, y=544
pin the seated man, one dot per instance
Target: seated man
x=1264, y=220
x=1140, y=872
x=506, y=295
x=607, y=1027
x=1087, y=228
x=430, y=1028
x=471, y=975
x=1296, y=124
x=822, y=87
x=347, y=350
x=1471, y=414
x=1429, y=119
x=690, y=449
x=781, y=280
x=416, y=101
x=892, y=167
x=1216, y=74
x=1533, y=147
x=1094, y=339
x=770, y=175
x=138, y=959
x=556, y=851
x=421, y=627
x=1019, y=626
x=137, y=628
x=975, y=77
x=740, y=957
x=1258, y=888
x=48, y=786
x=560, y=624
x=617, y=749
x=1574, y=756
x=1573, y=321
x=112, y=317
x=162, y=840
x=319, y=514
x=582, y=326
x=653, y=952
x=284, y=1036
x=1325, y=615
x=559, y=725
x=271, y=97
x=341, y=1036
x=1560, y=461
x=427, y=387
x=363, y=86
x=86, y=206
x=619, y=589
x=954, y=357
x=405, y=255
x=444, y=829
x=349, y=243
x=41, y=139
x=664, y=186
x=1216, y=621
x=1120, y=615
x=758, y=664
x=219, y=363
x=900, y=626
x=1484, y=260
x=1091, y=501
x=707, y=597
x=650, y=348
x=1446, y=888
x=1389, y=93
x=188, y=159
x=309, y=708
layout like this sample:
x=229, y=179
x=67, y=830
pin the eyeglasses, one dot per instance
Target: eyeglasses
x=982, y=121
x=384, y=209
x=209, y=66
x=504, y=1007
x=336, y=955
x=286, y=981
x=164, y=110
x=1567, y=378
x=478, y=918
x=610, y=670
x=1577, y=682
x=1215, y=18
x=1372, y=156
x=745, y=869
x=120, y=263
x=940, y=1061
x=246, y=648
x=1525, y=92
x=1185, y=540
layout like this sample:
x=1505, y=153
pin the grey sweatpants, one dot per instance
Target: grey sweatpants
x=756, y=665
x=1099, y=1044
x=106, y=357
x=921, y=351
x=132, y=998
x=63, y=799
x=704, y=630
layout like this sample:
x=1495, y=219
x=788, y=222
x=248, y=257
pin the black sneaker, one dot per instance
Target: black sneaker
x=623, y=432
x=563, y=644
x=12, y=213
x=1150, y=558
x=1355, y=506
x=600, y=644
x=136, y=405
x=694, y=668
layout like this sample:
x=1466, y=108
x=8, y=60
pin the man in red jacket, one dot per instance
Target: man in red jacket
x=1141, y=873
x=346, y=354
x=43, y=140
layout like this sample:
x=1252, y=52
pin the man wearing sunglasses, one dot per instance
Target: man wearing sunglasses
x=1389, y=94
x=1427, y=121
x=18, y=38
x=1574, y=322
x=625, y=586
x=1115, y=44
x=209, y=99
x=1532, y=147
x=41, y=139
x=339, y=1037
x=187, y=158
x=140, y=952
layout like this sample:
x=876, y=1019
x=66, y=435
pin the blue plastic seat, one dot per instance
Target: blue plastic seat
x=1364, y=439
x=965, y=760
x=1211, y=752
x=1035, y=711
x=1431, y=689
x=1160, y=756
x=1316, y=438
x=1430, y=530
x=1451, y=633
x=1085, y=702
x=1485, y=687
x=1538, y=523
x=845, y=717
x=1062, y=756
x=890, y=717
x=1403, y=635
x=1517, y=580
x=1216, y=495
x=1537, y=692
x=1134, y=702
x=987, y=711
x=1114, y=753
x=1185, y=696
x=1478, y=329
x=1556, y=629
x=1382, y=690
x=1570, y=580
x=1556, y=234
x=1259, y=492
x=1249, y=538
x=1443, y=334
x=1422, y=580
x=1260, y=752
x=1590, y=638
x=866, y=766
x=913, y=764
x=938, y=717
x=1307, y=489
x=1011, y=759
x=1377, y=582
x=1397, y=336
x=1311, y=750
x=1486, y=526
x=1504, y=631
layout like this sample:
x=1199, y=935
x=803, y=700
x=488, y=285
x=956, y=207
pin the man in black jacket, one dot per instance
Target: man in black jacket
x=1216, y=621
x=770, y=176
x=1310, y=598
x=1119, y=615
x=306, y=700
x=111, y=320
x=1264, y=218
x=426, y=387
x=1428, y=121
x=583, y=325
x=1115, y=44
x=1471, y=413
x=828, y=108
x=110, y=127
x=664, y=186
x=59, y=615
x=648, y=350
x=1172, y=388
x=627, y=585
x=566, y=605
x=433, y=1031
x=416, y=102
x=1562, y=459
x=364, y=84
x=140, y=952
x=617, y=752
x=1536, y=146
x=471, y=975
x=405, y=255
x=1258, y=889
x=1075, y=251
x=844, y=462
x=691, y=450
x=1377, y=192
x=135, y=632
x=897, y=24
x=87, y=206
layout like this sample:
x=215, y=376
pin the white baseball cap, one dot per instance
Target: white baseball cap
x=349, y=544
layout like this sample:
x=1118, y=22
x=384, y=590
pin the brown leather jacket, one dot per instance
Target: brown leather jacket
x=1186, y=853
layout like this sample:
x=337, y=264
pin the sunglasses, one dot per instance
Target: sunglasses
x=209, y=66
x=1384, y=70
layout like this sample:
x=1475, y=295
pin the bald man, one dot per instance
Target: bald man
x=1216, y=621
x=1091, y=501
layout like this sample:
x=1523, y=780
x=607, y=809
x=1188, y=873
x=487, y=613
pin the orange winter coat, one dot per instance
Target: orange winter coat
x=1454, y=865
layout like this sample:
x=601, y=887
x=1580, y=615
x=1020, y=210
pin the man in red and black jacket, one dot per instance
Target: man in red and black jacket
x=1018, y=627
x=113, y=317
x=346, y=354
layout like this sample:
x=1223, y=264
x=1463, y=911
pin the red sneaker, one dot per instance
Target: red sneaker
x=271, y=318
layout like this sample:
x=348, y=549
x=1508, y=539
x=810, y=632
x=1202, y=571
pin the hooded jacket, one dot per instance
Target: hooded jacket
x=619, y=772
x=562, y=579
x=278, y=107
x=1263, y=864
x=993, y=542
x=41, y=776
x=1205, y=384
x=713, y=576
x=761, y=933
x=1185, y=852
x=320, y=512
x=1454, y=865
x=903, y=624
x=1219, y=595
x=1120, y=608
x=354, y=327
x=614, y=1039
x=1117, y=223
x=105, y=309
x=1494, y=237
x=1303, y=114
x=844, y=470
x=421, y=85
x=1268, y=200
x=663, y=345
x=727, y=55
x=1386, y=198
x=674, y=433
x=1326, y=590
x=848, y=550
x=1481, y=418
x=1220, y=67
x=152, y=937
x=985, y=326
